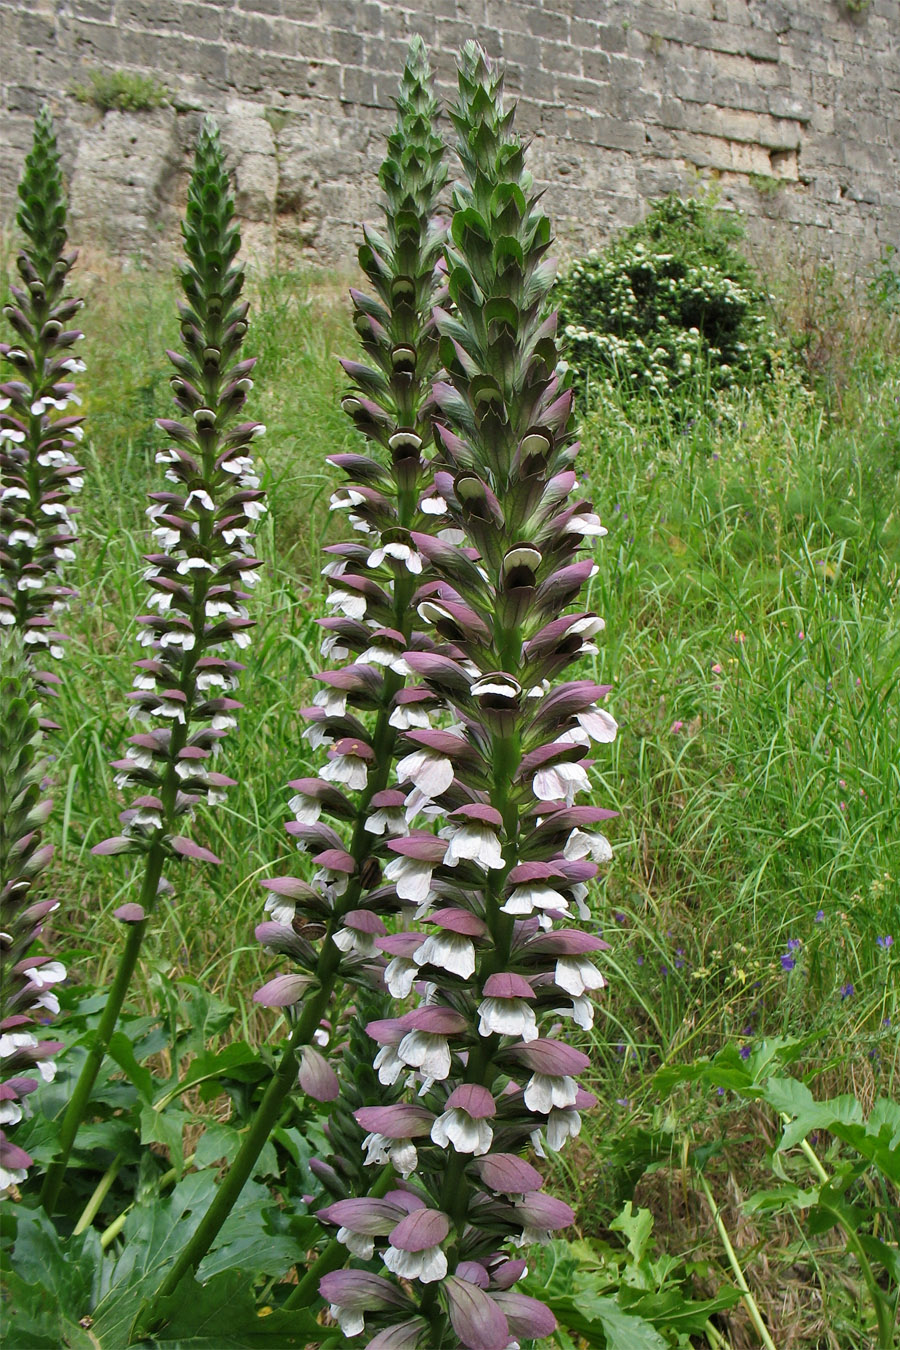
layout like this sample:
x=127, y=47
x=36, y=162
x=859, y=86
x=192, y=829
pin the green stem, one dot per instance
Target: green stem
x=334, y=1255
x=749, y=1301
x=883, y=1313
x=715, y=1338
x=80, y=1098
x=100, y=1193
x=109, y=1235
x=263, y=1122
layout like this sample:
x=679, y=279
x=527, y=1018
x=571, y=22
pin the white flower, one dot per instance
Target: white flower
x=358, y=1243
x=544, y=1091
x=560, y=1127
x=50, y=973
x=169, y=708
x=407, y=715
x=345, y=498
x=11, y=1041
x=208, y=679
x=507, y=1017
x=428, y=1051
x=10, y=1113
x=317, y=735
x=334, y=701
x=474, y=840
x=411, y=877
x=457, y=1127
x=23, y=536
x=332, y=646
x=353, y=940
x=282, y=910
x=586, y=524
x=577, y=974
x=534, y=895
x=560, y=782
x=307, y=810
x=400, y=553
x=202, y=496
x=448, y=951
x=600, y=725
x=587, y=843
x=347, y=602
x=427, y=770
x=387, y=820
x=388, y=1065
x=151, y=819
x=350, y=1322
x=194, y=565
x=378, y=655
x=400, y=976
x=349, y=769
x=435, y=505
x=401, y=1153
x=428, y=1265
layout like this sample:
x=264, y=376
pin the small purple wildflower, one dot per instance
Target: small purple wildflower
x=745, y=1052
x=820, y=916
x=847, y=991
x=787, y=962
x=886, y=941
x=793, y=944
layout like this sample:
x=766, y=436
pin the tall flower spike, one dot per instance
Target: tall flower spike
x=330, y=926
x=202, y=526
x=373, y=580
x=38, y=433
x=27, y=1000
x=509, y=867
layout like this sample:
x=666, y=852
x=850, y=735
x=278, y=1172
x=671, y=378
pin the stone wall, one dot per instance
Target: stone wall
x=791, y=106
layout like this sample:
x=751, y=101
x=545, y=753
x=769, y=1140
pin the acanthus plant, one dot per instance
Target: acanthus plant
x=202, y=528
x=328, y=925
x=497, y=886
x=27, y=977
x=38, y=432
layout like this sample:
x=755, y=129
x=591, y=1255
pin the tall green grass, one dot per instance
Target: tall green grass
x=749, y=584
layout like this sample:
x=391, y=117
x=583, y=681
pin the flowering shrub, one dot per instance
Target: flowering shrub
x=669, y=303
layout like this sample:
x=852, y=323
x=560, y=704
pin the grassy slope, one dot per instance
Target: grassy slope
x=748, y=582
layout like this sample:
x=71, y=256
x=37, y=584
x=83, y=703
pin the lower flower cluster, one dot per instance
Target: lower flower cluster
x=27, y=998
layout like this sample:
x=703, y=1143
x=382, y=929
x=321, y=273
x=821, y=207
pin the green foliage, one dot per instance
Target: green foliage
x=122, y=91
x=843, y=1197
x=623, y=1294
x=884, y=288
x=671, y=304
x=75, y=1288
